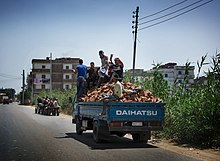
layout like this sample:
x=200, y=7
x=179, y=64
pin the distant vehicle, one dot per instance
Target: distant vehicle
x=47, y=110
x=5, y=100
x=1, y=97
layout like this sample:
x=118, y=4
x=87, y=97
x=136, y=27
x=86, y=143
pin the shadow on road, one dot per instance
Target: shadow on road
x=112, y=142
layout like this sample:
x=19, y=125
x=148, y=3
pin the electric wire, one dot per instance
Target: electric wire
x=171, y=12
x=7, y=80
x=9, y=76
x=163, y=10
x=175, y=16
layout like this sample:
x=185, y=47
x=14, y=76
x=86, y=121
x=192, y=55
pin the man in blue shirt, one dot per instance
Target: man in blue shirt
x=81, y=78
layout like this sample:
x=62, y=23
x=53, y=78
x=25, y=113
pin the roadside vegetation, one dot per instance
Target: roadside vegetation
x=192, y=115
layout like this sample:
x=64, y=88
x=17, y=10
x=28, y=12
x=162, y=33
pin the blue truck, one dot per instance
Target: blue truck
x=118, y=118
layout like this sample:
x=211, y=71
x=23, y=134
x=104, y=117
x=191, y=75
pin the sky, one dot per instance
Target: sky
x=32, y=29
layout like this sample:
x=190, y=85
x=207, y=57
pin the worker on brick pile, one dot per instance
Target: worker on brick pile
x=117, y=74
x=92, y=76
x=110, y=68
x=81, y=78
x=102, y=72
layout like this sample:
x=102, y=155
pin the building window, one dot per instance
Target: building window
x=67, y=76
x=67, y=86
x=179, y=72
x=43, y=86
x=43, y=76
x=43, y=66
x=67, y=67
x=165, y=75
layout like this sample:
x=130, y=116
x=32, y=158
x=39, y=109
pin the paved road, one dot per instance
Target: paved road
x=28, y=136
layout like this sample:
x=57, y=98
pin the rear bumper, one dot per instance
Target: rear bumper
x=136, y=129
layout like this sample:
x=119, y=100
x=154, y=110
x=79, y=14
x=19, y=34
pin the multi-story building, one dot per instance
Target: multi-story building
x=59, y=77
x=174, y=73
x=171, y=72
x=138, y=74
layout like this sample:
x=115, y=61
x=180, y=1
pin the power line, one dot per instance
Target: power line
x=163, y=10
x=9, y=76
x=7, y=80
x=175, y=16
x=171, y=13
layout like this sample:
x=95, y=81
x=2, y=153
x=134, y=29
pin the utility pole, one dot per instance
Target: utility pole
x=32, y=86
x=23, y=85
x=50, y=75
x=135, y=38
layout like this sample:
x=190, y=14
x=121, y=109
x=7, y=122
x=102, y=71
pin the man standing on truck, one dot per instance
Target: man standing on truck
x=81, y=78
x=103, y=69
x=117, y=70
x=92, y=76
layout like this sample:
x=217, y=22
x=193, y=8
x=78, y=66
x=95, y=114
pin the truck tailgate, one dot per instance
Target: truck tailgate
x=133, y=117
x=124, y=111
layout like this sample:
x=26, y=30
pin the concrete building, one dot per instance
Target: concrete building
x=139, y=74
x=61, y=73
x=171, y=72
x=174, y=73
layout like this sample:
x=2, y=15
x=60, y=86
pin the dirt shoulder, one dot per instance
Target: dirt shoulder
x=206, y=154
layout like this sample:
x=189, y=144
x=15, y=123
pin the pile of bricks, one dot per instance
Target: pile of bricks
x=131, y=93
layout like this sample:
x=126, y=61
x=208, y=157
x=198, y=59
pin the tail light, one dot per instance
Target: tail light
x=116, y=124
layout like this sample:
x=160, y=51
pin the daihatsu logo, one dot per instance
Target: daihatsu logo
x=136, y=112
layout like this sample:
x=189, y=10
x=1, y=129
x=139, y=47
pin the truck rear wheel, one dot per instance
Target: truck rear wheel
x=79, y=131
x=96, y=132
